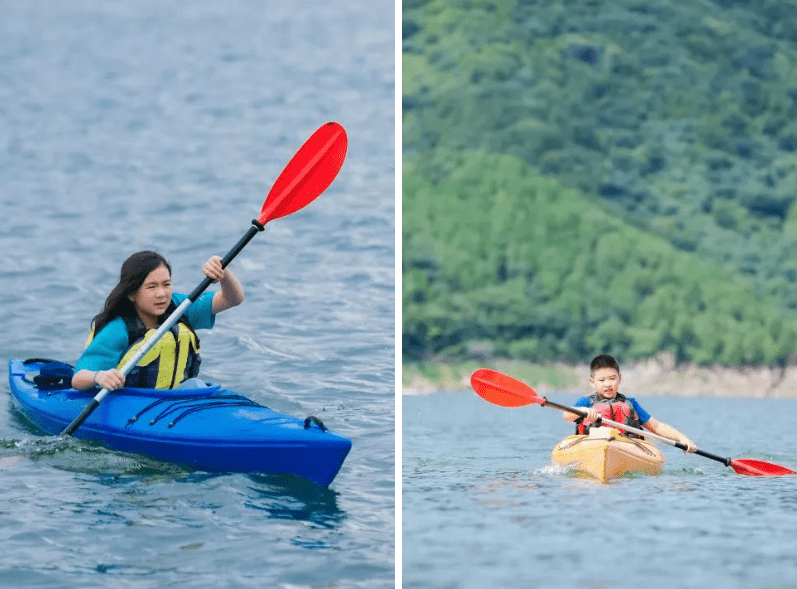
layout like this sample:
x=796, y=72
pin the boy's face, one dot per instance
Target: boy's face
x=606, y=382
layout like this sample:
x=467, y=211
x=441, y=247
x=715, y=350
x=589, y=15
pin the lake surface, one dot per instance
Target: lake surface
x=484, y=507
x=162, y=125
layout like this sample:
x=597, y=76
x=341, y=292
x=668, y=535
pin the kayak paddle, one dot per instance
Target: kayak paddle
x=309, y=172
x=506, y=391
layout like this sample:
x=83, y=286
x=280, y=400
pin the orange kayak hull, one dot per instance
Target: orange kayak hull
x=608, y=455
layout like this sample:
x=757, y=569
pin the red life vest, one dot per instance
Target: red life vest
x=618, y=409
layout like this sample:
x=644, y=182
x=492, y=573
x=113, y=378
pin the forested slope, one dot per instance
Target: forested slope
x=583, y=176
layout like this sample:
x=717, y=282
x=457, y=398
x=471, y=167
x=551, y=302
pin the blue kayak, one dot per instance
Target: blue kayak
x=209, y=429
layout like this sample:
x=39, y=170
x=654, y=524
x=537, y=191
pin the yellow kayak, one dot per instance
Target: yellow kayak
x=606, y=454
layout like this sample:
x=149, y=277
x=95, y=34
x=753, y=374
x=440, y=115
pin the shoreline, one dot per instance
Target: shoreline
x=658, y=376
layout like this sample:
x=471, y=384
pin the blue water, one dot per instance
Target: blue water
x=162, y=124
x=482, y=505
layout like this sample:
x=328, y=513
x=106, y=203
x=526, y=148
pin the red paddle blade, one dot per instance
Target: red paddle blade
x=501, y=389
x=758, y=468
x=311, y=170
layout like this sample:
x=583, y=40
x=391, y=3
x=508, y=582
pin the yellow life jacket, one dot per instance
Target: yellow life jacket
x=173, y=359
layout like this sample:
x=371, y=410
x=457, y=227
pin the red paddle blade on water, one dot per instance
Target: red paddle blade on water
x=311, y=170
x=758, y=468
x=502, y=390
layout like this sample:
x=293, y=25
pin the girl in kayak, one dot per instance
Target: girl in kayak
x=609, y=403
x=139, y=303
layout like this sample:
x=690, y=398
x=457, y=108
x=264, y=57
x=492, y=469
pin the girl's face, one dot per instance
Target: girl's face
x=153, y=296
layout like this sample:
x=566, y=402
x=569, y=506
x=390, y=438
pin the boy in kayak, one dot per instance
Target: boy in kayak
x=139, y=303
x=609, y=403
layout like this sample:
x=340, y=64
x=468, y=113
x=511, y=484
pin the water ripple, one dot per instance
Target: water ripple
x=484, y=506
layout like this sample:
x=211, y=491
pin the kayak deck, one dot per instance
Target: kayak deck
x=605, y=454
x=209, y=428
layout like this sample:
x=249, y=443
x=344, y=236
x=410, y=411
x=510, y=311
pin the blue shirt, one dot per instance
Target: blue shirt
x=108, y=347
x=643, y=415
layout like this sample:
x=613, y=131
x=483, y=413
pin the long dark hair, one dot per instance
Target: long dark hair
x=134, y=271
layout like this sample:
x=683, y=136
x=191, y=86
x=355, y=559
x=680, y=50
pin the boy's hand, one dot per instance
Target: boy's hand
x=690, y=445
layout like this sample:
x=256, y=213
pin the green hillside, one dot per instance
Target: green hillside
x=587, y=176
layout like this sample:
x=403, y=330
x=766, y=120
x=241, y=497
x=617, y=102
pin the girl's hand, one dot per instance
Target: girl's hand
x=109, y=379
x=231, y=293
x=213, y=269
